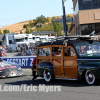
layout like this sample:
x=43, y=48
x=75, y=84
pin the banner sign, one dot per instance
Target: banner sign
x=23, y=61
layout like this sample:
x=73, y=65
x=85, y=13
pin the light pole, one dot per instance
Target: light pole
x=64, y=18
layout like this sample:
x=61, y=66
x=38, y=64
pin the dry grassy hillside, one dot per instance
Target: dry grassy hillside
x=17, y=27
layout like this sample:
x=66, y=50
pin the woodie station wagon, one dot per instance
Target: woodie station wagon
x=71, y=57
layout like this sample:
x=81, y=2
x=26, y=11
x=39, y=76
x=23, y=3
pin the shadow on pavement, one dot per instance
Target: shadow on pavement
x=68, y=83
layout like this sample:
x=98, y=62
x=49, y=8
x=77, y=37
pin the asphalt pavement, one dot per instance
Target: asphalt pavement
x=70, y=90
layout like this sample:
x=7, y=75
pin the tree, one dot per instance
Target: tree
x=31, y=30
x=39, y=25
x=57, y=28
x=35, y=21
x=21, y=32
x=53, y=18
x=68, y=16
x=48, y=20
x=36, y=30
x=41, y=19
x=31, y=23
x=5, y=31
x=0, y=32
x=45, y=28
x=27, y=31
x=24, y=26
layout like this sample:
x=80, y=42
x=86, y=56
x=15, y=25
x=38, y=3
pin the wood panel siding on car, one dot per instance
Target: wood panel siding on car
x=70, y=67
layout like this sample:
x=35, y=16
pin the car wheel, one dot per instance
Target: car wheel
x=47, y=75
x=90, y=78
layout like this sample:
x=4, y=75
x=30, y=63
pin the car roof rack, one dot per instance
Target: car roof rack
x=85, y=37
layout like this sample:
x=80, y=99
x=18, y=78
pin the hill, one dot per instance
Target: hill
x=17, y=27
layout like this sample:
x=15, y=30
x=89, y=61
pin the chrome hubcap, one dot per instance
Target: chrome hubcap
x=48, y=73
x=90, y=78
x=47, y=76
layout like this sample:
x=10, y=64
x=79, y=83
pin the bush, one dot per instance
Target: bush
x=24, y=26
x=45, y=28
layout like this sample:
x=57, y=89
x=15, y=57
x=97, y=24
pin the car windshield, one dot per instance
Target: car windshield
x=30, y=39
x=43, y=39
x=20, y=40
x=50, y=38
x=37, y=39
x=88, y=50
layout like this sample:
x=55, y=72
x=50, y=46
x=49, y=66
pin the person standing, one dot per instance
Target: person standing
x=19, y=47
x=34, y=67
x=33, y=50
x=21, y=50
x=24, y=50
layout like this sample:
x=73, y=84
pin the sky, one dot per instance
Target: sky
x=14, y=11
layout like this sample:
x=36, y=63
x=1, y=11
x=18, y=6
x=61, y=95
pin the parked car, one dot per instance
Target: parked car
x=8, y=69
x=72, y=58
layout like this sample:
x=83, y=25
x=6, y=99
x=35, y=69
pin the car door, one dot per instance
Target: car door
x=57, y=60
x=69, y=63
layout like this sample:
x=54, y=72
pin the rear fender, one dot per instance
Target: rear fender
x=83, y=67
x=43, y=66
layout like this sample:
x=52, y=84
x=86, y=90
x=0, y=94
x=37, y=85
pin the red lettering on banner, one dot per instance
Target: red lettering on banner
x=12, y=67
x=1, y=68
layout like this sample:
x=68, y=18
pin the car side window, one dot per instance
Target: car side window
x=72, y=53
x=44, y=52
x=69, y=51
x=56, y=51
x=66, y=51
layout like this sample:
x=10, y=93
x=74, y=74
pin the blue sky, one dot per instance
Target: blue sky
x=14, y=11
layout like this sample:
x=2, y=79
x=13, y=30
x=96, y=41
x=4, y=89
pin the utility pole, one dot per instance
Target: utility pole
x=64, y=18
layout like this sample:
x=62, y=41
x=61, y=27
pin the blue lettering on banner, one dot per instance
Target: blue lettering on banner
x=14, y=60
x=20, y=62
x=10, y=60
x=17, y=61
x=31, y=60
x=24, y=62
